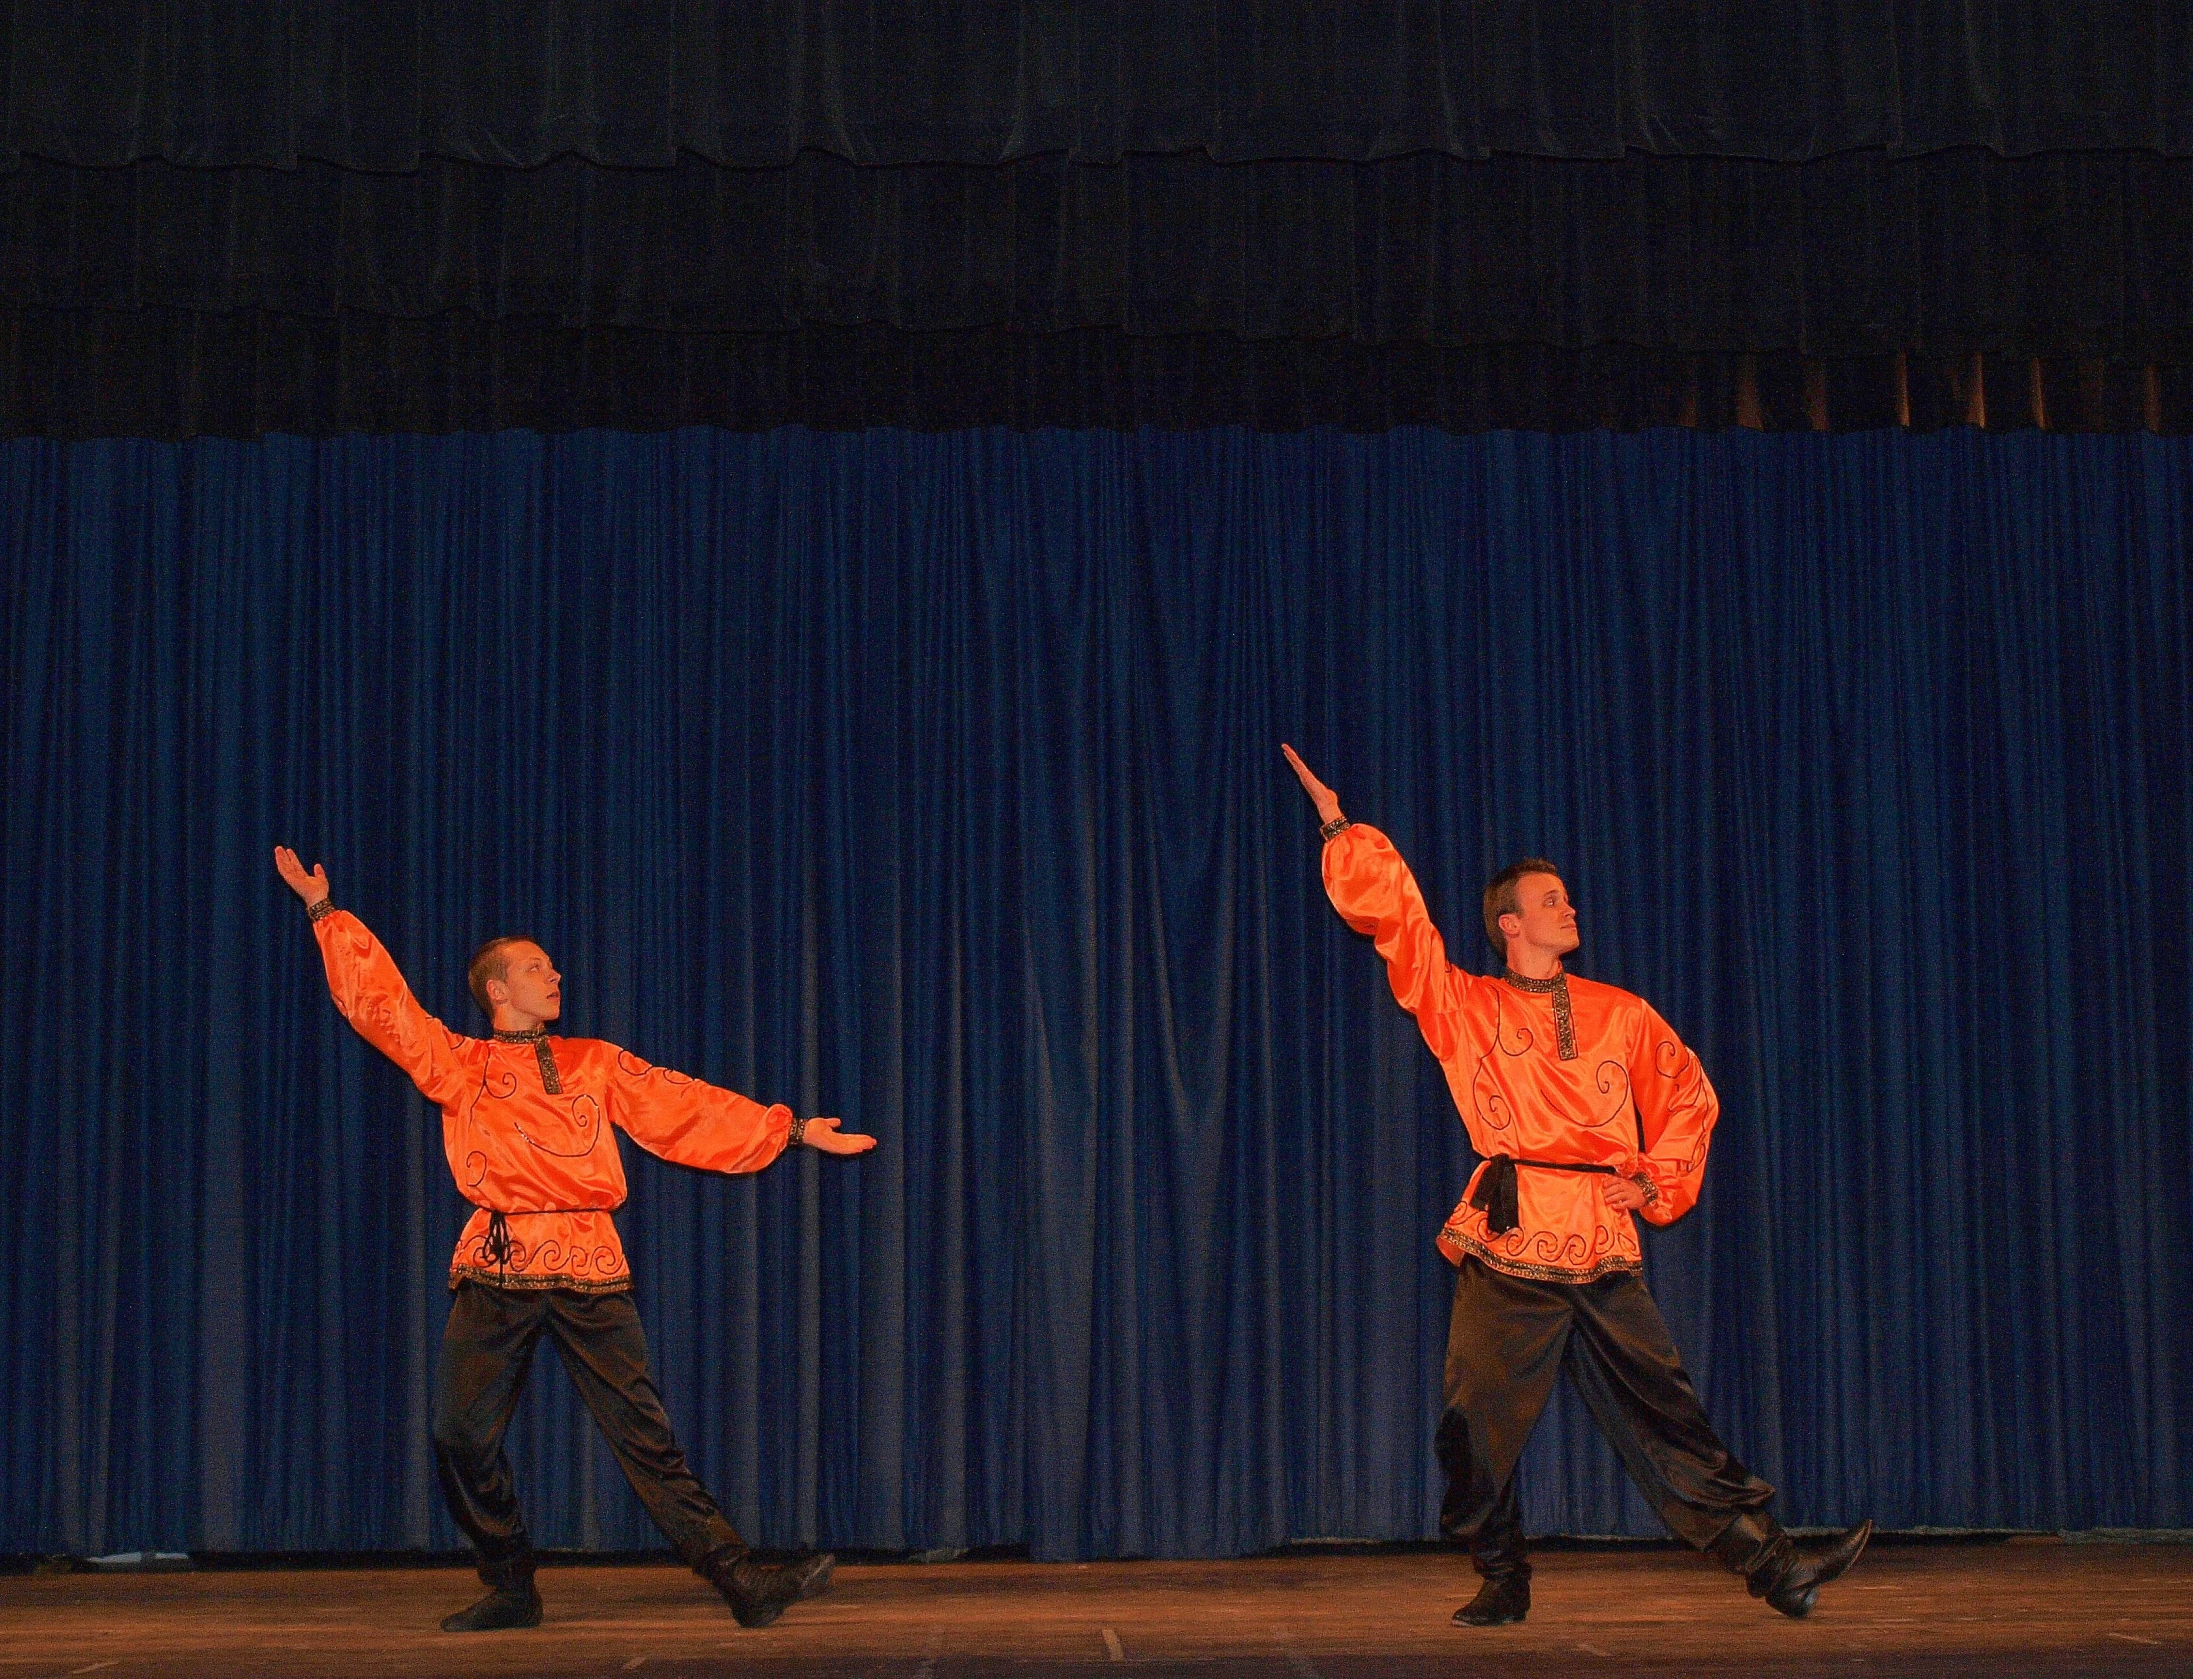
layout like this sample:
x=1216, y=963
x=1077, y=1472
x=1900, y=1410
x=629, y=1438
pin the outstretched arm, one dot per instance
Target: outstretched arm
x=1375, y=893
x=700, y=1124
x=368, y=990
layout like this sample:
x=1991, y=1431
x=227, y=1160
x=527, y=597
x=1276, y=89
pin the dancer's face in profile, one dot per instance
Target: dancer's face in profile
x=530, y=985
x=1543, y=918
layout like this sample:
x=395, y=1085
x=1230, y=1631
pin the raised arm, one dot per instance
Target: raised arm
x=1322, y=796
x=1375, y=893
x=370, y=992
x=700, y=1124
x=1676, y=1108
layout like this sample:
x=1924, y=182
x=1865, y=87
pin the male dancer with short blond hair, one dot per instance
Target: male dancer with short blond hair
x=1588, y=1110
x=527, y=1125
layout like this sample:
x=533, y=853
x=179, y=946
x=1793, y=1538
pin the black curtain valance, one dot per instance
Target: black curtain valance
x=1854, y=255
x=2064, y=254
x=385, y=84
x=169, y=373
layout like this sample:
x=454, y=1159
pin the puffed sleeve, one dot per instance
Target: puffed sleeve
x=1375, y=893
x=690, y=1121
x=370, y=993
x=1677, y=1107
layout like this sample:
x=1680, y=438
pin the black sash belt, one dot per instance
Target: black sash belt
x=1495, y=1192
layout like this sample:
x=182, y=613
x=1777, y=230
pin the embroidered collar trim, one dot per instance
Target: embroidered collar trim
x=551, y=1079
x=1564, y=1019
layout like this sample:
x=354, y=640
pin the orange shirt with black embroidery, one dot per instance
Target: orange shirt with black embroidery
x=529, y=1124
x=1575, y=1072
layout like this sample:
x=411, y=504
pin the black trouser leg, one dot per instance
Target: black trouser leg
x=1504, y=1347
x=605, y=1349
x=1625, y=1365
x=487, y=1348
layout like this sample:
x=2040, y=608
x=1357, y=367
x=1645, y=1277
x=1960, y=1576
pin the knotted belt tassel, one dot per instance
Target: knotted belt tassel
x=1494, y=1195
x=496, y=1245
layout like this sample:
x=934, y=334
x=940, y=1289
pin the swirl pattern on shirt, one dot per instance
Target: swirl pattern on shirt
x=1679, y=1064
x=1492, y=1106
x=586, y=1122
x=546, y=1264
x=634, y=1068
x=1613, y=1080
x=1544, y=1255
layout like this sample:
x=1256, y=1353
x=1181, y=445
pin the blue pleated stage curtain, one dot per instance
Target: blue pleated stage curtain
x=933, y=780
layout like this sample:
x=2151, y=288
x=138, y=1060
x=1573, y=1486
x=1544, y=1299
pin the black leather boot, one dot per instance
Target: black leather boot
x=1502, y=1558
x=759, y=1592
x=1787, y=1572
x=510, y=1602
x=1500, y=1601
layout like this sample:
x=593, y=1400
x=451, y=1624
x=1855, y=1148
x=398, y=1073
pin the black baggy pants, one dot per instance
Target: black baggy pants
x=487, y=1349
x=1507, y=1340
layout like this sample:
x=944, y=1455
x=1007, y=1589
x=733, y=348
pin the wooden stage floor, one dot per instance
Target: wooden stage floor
x=1998, y=1609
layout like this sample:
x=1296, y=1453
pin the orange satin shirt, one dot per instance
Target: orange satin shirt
x=526, y=1124
x=1618, y=1089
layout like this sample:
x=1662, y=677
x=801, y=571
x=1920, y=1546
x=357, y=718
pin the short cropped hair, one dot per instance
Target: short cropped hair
x=1500, y=897
x=489, y=962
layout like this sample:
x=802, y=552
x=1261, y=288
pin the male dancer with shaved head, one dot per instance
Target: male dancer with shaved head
x=526, y=1123
x=1588, y=1110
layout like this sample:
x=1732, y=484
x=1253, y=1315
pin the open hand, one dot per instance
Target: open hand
x=310, y=887
x=1326, y=800
x=823, y=1133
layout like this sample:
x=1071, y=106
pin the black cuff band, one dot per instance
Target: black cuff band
x=798, y=1134
x=1329, y=829
x=321, y=910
